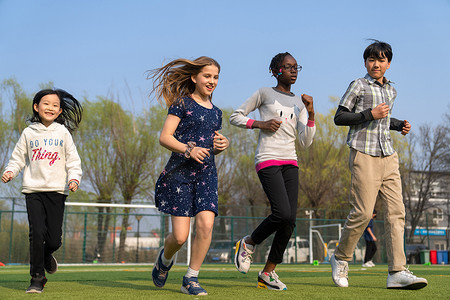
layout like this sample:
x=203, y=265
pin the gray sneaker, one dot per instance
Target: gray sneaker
x=339, y=270
x=270, y=281
x=405, y=280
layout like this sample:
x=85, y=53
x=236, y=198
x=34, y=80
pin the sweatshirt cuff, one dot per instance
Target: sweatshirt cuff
x=310, y=123
x=249, y=123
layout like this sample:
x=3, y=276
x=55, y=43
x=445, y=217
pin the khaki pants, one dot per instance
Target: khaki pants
x=371, y=177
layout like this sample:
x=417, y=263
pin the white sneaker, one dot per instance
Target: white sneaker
x=405, y=280
x=243, y=256
x=270, y=281
x=339, y=270
x=368, y=264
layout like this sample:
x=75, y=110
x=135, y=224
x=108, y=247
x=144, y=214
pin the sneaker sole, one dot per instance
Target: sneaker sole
x=414, y=286
x=236, y=257
x=55, y=265
x=185, y=291
x=263, y=285
x=33, y=291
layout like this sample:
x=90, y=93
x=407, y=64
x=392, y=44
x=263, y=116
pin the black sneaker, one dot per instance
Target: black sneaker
x=36, y=285
x=50, y=264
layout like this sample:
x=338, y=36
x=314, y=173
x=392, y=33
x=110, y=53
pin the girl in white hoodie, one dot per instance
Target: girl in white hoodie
x=52, y=167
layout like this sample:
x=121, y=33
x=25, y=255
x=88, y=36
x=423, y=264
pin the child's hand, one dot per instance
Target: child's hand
x=220, y=141
x=406, y=127
x=73, y=186
x=271, y=125
x=309, y=104
x=198, y=154
x=7, y=176
x=381, y=111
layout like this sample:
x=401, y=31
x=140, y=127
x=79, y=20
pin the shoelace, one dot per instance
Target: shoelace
x=247, y=257
x=408, y=273
x=194, y=284
x=274, y=276
x=343, y=269
x=162, y=272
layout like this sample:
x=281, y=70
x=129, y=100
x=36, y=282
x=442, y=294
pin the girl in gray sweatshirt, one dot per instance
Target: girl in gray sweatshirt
x=284, y=118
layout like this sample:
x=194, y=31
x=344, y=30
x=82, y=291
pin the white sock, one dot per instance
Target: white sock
x=191, y=273
x=166, y=261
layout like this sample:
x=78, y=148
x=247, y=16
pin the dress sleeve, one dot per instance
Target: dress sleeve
x=178, y=109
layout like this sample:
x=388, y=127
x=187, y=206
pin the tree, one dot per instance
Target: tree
x=324, y=179
x=137, y=149
x=99, y=159
x=422, y=170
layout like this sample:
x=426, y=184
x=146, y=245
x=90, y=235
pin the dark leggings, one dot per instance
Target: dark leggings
x=45, y=217
x=371, y=248
x=280, y=183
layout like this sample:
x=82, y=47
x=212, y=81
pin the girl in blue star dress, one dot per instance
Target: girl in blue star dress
x=187, y=186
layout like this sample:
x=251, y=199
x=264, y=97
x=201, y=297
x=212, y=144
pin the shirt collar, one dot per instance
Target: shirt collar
x=374, y=81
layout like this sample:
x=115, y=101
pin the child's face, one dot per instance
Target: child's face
x=376, y=67
x=49, y=108
x=288, y=71
x=206, y=81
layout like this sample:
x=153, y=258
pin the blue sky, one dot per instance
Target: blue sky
x=93, y=48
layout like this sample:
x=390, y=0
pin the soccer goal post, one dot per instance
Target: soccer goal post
x=316, y=231
x=147, y=210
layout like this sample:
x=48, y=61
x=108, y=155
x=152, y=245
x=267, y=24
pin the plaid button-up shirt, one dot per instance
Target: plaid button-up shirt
x=371, y=137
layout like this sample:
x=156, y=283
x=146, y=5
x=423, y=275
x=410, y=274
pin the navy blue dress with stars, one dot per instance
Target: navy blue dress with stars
x=186, y=187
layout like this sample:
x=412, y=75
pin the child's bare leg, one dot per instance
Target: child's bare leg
x=176, y=239
x=204, y=221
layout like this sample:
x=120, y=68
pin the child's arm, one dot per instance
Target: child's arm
x=73, y=164
x=17, y=161
x=371, y=234
x=399, y=125
x=167, y=140
x=344, y=117
x=306, y=128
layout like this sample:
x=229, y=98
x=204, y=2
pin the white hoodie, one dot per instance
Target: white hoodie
x=49, y=156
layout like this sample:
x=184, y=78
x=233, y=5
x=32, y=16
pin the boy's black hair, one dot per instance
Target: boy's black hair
x=72, y=111
x=378, y=50
x=277, y=60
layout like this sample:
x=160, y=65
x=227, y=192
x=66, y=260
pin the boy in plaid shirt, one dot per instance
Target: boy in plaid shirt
x=366, y=108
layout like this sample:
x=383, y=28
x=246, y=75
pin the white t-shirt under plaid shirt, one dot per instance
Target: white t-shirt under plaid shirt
x=370, y=137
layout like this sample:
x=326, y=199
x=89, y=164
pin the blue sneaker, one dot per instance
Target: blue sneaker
x=160, y=271
x=192, y=287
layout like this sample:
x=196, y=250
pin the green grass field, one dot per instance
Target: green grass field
x=221, y=281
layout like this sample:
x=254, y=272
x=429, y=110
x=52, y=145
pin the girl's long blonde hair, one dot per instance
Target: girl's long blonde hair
x=173, y=81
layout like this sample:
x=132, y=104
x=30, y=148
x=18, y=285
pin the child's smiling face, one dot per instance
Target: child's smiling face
x=49, y=108
x=376, y=67
x=206, y=81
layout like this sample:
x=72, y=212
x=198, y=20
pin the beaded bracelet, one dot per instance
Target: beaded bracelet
x=74, y=180
x=190, y=146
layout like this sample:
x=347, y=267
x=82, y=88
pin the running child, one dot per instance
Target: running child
x=187, y=186
x=52, y=167
x=284, y=116
x=366, y=108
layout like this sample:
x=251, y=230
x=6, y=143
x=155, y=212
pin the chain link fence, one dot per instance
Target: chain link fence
x=93, y=235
